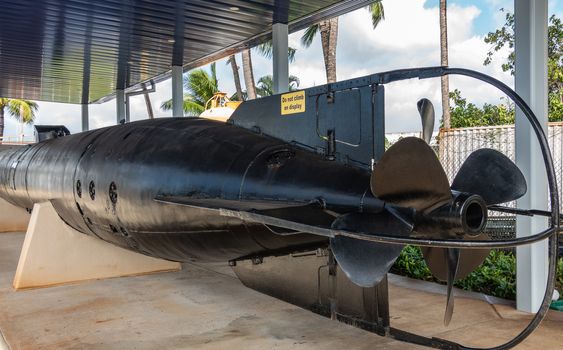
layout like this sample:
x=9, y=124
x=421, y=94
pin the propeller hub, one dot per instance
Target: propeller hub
x=466, y=214
x=473, y=213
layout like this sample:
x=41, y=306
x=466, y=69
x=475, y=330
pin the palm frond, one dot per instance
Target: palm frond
x=377, y=13
x=167, y=105
x=309, y=35
x=293, y=83
x=201, y=86
x=267, y=50
x=192, y=107
x=266, y=80
x=265, y=85
x=291, y=54
x=23, y=110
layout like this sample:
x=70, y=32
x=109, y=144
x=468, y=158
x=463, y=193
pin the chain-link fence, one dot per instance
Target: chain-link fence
x=455, y=145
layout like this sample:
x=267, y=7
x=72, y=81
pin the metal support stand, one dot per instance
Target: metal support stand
x=280, y=57
x=332, y=285
x=177, y=91
x=531, y=84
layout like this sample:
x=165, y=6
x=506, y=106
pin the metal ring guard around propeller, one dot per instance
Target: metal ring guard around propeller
x=500, y=182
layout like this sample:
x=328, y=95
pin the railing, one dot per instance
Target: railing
x=21, y=139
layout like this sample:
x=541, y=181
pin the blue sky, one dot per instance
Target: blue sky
x=409, y=37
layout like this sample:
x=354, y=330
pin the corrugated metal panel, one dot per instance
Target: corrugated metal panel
x=79, y=51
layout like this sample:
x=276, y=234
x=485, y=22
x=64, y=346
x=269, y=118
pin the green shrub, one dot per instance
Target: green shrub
x=496, y=276
x=411, y=263
x=559, y=278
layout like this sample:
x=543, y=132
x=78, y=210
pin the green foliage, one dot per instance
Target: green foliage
x=559, y=278
x=464, y=115
x=377, y=13
x=24, y=111
x=234, y=96
x=411, y=263
x=498, y=39
x=309, y=35
x=387, y=143
x=505, y=37
x=267, y=50
x=496, y=276
x=200, y=86
x=265, y=85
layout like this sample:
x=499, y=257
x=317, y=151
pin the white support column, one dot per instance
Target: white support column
x=85, y=117
x=177, y=91
x=280, y=57
x=531, y=83
x=120, y=105
x=127, y=109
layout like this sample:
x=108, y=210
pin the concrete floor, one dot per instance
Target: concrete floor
x=206, y=307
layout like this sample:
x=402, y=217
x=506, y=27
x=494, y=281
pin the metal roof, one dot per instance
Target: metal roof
x=80, y=51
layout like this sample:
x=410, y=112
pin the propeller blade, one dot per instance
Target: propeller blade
x=453, y=264
x=410, y=175
x=426, y=110
x=469, y=259
x=441, y=262
x=492, y=175
x=366, y=263
x=496, y=179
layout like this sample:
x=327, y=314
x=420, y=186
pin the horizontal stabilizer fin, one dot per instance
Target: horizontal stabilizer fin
x=222, y=203
x=286, y=213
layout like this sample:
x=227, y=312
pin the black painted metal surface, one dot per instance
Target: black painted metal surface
x=79, y=51
x=354, y=113
x=104, y=183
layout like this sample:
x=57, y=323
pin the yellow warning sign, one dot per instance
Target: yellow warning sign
x=293, y=102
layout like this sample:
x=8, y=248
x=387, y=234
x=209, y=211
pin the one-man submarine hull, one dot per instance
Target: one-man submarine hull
x=274, y=181
x=153, y=186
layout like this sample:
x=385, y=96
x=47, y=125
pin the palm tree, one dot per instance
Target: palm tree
x=200, y=88
x=236, y=77
x=265, y=49
x=265, y=86
x=23, y=110
x=248, y=74
x=328, y=30
x=445, y=82
x=329, y=34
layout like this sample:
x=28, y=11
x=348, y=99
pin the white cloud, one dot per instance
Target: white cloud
x=408, y=39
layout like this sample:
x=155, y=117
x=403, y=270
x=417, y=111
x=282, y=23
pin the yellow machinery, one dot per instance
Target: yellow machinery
x=219, y=107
